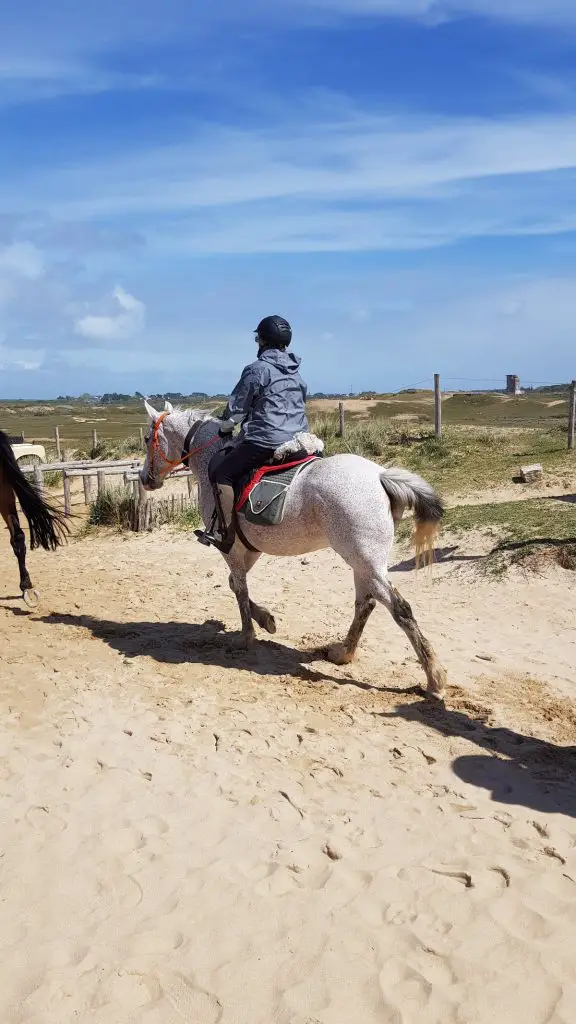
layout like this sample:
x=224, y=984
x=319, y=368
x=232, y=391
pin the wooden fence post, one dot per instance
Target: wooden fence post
x=141, y=429
x=341, y=423
x=94, y=440
x=571, y=414
x=67, y=495
x=57, y=439
x=101, y=476
x=437, y=406
x=87, y=481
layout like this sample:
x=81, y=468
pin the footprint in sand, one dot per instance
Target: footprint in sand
x=127, y=989
x=42, y=820
x=156, y=941
x=191, y=1004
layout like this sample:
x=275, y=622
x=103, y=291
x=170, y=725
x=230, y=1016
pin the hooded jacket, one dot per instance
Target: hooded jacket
x=269, y=399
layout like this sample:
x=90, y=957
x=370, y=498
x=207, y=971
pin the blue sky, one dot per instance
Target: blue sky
x=397, y=177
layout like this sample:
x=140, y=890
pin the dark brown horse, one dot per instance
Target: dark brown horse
x=48, y=529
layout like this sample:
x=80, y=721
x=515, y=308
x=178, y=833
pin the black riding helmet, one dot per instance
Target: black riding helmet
x=273, y=331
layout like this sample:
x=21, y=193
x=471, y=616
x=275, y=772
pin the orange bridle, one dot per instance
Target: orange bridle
x=173, y=464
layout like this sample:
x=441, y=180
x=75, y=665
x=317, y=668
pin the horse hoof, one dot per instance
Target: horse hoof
x=437, y=681
x=31, y=597
x=339, y=655
x=243, y=643
x=269, y=624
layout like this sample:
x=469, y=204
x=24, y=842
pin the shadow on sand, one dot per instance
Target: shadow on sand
x=517, y=770
x=181, y=643
x=441, y=555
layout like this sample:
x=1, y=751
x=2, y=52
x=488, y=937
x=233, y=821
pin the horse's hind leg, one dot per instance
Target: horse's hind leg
x=402, y=614
x=18, y=543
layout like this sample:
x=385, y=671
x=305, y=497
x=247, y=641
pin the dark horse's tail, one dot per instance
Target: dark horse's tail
x=48, y=528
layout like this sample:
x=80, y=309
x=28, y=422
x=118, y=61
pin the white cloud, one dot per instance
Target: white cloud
x=31, y=78
x=358, y=182
x=529, y=323
x=115, y=327
x=21, y=359
x=531, y=11
x=69, y=50
x=22, y=259
x=361, y=158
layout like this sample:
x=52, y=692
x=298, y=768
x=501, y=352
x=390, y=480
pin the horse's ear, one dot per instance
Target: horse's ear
x=168, y=407
x=151, y=411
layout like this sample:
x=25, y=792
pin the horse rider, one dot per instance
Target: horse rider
x=269, y=401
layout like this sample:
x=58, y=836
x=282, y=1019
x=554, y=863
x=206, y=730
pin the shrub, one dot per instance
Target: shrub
x=119, y=508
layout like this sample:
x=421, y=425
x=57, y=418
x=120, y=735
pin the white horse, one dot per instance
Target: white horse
x=344, y=502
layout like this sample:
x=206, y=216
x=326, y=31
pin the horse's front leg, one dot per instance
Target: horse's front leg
x=18, y=543
x=239, y=586
x=260, y=614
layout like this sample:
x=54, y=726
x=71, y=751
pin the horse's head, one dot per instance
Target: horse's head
x=163, y=445
x=170, y=438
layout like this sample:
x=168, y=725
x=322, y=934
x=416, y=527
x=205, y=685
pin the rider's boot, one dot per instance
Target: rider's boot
x=224, y=539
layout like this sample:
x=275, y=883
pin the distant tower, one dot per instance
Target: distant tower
x=513, y=384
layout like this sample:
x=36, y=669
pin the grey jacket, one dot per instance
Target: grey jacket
x=269, y=399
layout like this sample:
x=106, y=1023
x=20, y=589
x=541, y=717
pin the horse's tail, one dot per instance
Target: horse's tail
x=407, y=490
x=48, y=528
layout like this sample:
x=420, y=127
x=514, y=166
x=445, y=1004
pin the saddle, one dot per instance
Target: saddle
x=261, y=496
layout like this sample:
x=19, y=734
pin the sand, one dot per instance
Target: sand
x=194, y=834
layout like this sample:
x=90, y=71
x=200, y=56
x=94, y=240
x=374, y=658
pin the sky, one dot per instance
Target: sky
x=396, y=177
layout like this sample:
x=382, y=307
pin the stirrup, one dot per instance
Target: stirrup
x=202, y=538
x=209, y=539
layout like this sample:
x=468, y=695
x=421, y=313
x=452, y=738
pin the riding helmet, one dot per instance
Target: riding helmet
x=274, y=330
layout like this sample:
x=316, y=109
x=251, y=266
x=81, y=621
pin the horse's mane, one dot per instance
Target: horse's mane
x=194, y=414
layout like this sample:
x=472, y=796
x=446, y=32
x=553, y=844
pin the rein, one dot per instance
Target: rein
x=183, y=460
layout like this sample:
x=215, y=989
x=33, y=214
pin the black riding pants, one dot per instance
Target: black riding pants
x=231, y=464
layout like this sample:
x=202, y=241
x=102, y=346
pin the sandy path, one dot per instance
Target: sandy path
x=192, y=834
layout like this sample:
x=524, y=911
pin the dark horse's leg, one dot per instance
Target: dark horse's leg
x=48, y=529
x=17, y=535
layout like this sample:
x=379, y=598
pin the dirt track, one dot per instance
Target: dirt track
x=197, y=834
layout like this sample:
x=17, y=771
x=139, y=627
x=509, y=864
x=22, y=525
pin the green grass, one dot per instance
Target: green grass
x=477, y=451
x=531, y=534
x=463, y=460
x=123, y=448
x=113, y=423
x=537, y=519
x=76, y=422
x=189, y=519
x=52, y=479
x=115, y=508
x=112, y=508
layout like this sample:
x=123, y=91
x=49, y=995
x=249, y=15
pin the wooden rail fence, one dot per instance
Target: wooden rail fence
x=99, y=471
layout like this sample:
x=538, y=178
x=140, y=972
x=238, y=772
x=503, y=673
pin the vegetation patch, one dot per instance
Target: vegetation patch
x=542, y=520
x=464, y=459
x=119, y=509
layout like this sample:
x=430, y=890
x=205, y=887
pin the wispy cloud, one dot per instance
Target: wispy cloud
x=529, y=11
x=75, y=48
x=360, y=182
x=32, y=79
x=115, y=326
x=22, y=259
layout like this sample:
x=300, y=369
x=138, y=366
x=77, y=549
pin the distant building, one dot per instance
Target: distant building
x=513, y=385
